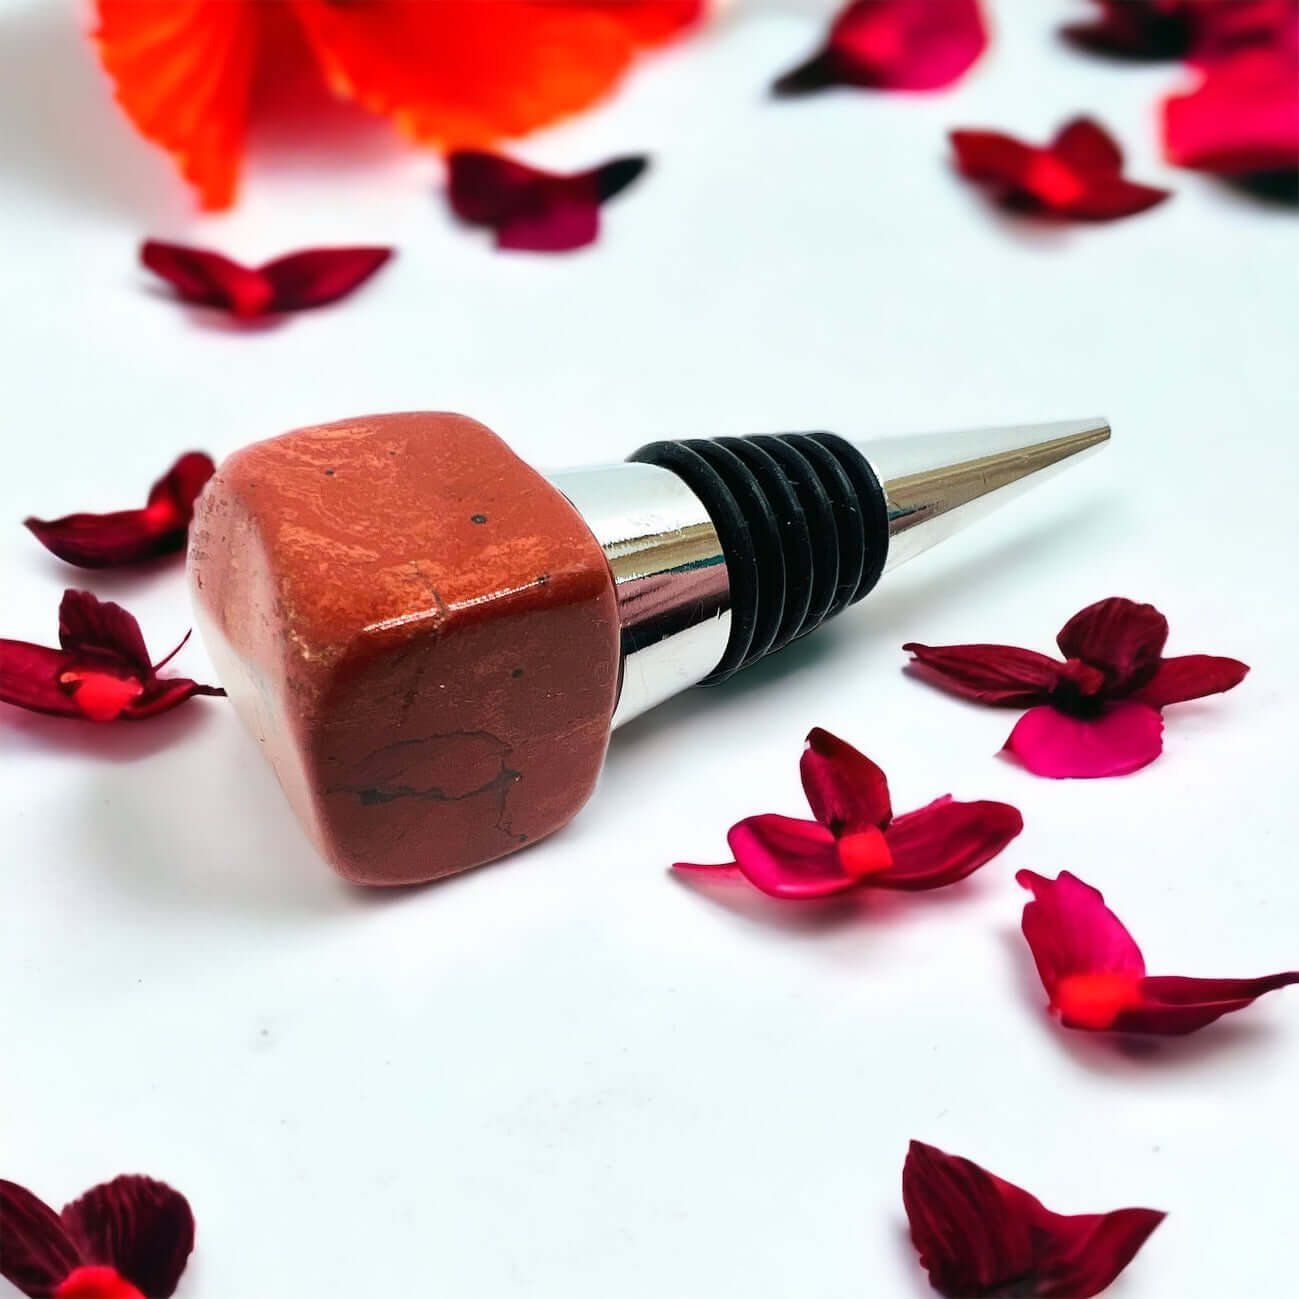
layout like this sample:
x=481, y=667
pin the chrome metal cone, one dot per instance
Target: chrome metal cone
x=938, y=483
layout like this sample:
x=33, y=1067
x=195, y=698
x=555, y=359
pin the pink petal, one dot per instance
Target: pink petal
x=36, y=1253
x=788, y=858
x=1190, y=676
x=1122, y=638
x=320, y=275
x=724, y=870
x=992, y=674
x=130, y=536
x=894, y=45
x=977, y=1234
x=531, y=209
x=1124, y=738
x=945, y=842
x=845, y=789
x=1172, y=1005
x=140, y=1227
x=209, y=279
x=1071, y=931
x=1088, y=147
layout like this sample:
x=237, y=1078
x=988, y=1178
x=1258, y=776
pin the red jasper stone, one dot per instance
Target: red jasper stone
x=420, y=631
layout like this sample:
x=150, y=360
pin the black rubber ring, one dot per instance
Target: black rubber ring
x=874, y=506
x=764, y=530
x=732, y=531
x=822, y=530
x=795, y=537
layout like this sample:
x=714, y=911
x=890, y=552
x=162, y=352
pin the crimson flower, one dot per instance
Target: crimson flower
x=1098, y=712
x=101, y=673
x=979, y=1235
x=894, y=45
x=310, y=278
x=130, y=536
x=189, y=73
x=1095, y=975
x=125, y=1239
x=856, y=841
x=539, y=211
x=1078, y=175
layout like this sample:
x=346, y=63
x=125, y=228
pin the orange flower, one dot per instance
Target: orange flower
x=455, y=75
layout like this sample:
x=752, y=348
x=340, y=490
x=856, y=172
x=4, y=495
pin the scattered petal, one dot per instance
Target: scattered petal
x=101, y=673
x=1077, y=175
x=992, y=674
x=1095, y=976
x=38, y=1253
x=979, y=1235
x=894, y=45
x=1124, y=738
x=844, y=788
x=131, y=536
x=788, y=858
x=1138, y=29
x=294, y=282
x=937, y=845
x=1192, y=676
x=1120, y=637
x=534, y=210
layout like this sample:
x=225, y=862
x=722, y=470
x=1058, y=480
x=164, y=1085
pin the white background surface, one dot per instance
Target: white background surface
x=571, y=1075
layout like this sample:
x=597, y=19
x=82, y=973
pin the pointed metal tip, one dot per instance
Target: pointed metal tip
x=938, y=483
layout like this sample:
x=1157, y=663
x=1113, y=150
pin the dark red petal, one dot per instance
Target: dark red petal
x=1173, y=1005
x=129, y=536
x=1071, y=931
x=992, y=674
x=1114, y=197
x=99, y=631
x=30, y=676
x=36, y=1253
x=208, y=279
x=317, y=276
x=531, y=209
x=787, y=858
x=994, y=156
x=163, y=694
x=1088, y=147
x=1190, y=676
x=894, y=45
x=1081, y=1254
x=1124, y=738
x=1122, y=638
x=1230, y=27
x=845, y=789
x=96, y=1282
x=945, y=842
x=139, y=1226
x=1138, y=29
x=971, y=1239
x=1242, y=118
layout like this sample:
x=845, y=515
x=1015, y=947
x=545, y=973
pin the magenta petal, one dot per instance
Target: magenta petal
x=845, y=789
x=1070, y=930
x=36, y=1253
x=724, y=869
x=320, y=275
x=788, y=858
x=1172, y=1005
x=1191, y=676
x=992, y=674
x=1122, y=638
x=551, y=222
x=944, y=842
x=140, y=1227
x=1124, y=738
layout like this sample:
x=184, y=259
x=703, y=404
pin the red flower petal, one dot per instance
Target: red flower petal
x=530, y=209
x=101, y=631
x=1095, y=975
x=30, y=678
x=845, y=789
x=788, y=858
x=1230, y=27
x=140, y=1227
x=36, y=1253
x=97, y=1282
x=183, y=72
x=992, y=674
x=944, y=842
x=1191, y=676
x=130, y=536
x=1074, y=177
x=1139, y=29
x=294, y=282
x=894, y=45
x=1243, y=117
x=1122, y=638
x=1125, y=737
x=979, y=1235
